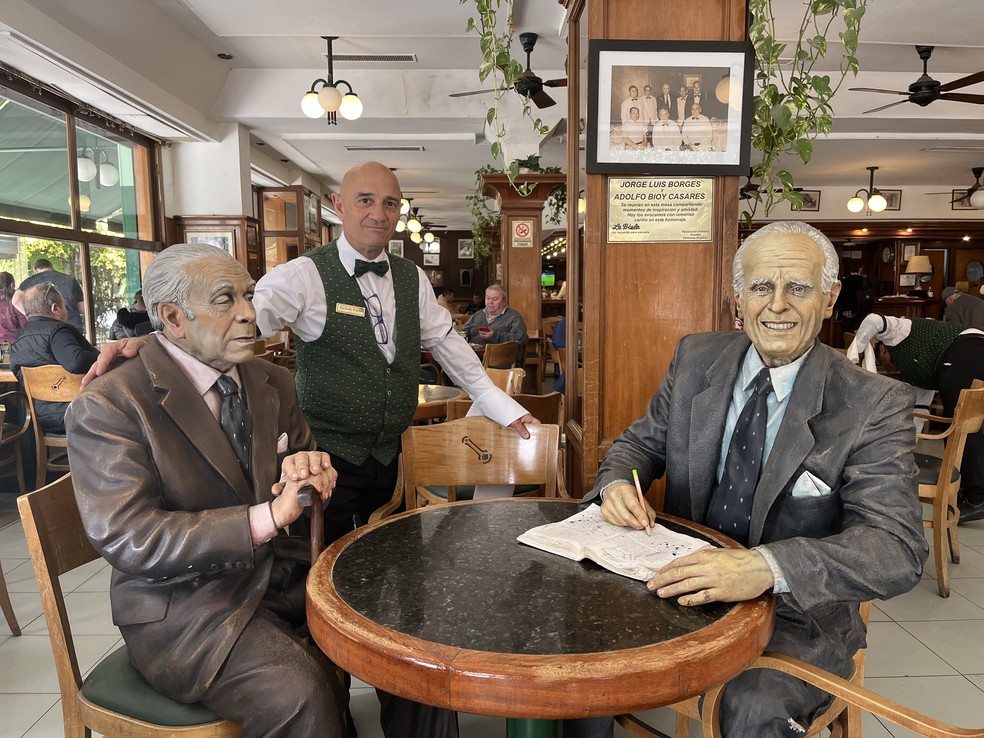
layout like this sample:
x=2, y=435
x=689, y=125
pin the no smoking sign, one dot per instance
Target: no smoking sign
x=522, y=234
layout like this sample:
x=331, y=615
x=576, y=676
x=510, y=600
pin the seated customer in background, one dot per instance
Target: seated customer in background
x=131, y=321
x=496, y=322
x=781, y=443
x=176, y=457
x=11, y=319
x=48, y=338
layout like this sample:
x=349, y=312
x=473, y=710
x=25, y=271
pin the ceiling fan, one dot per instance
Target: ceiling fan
x=528, y=84
x=969, y=194
x=926, y=89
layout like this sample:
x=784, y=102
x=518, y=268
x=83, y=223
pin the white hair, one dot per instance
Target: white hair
x=781, y=227
x=168, y=278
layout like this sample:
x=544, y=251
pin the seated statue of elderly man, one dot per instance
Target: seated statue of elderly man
x=784, y=445
x=187, y=462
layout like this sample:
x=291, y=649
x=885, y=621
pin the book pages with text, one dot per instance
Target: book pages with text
x=624, y=551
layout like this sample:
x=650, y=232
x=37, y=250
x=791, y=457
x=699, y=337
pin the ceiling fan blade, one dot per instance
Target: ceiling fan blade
x=963, y=97
x=950, y=194
x=555, y=82
x=542, y=100
x=884, y=107
x=970, y=79
x=472, y=92
x=873, y=89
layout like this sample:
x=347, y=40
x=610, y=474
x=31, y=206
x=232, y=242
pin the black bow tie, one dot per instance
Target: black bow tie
x=379, y=267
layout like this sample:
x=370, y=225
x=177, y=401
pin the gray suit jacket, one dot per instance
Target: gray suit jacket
x=850, y=428
x=164, y=500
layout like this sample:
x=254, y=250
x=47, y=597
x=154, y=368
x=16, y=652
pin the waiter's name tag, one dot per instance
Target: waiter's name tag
x=356, y=310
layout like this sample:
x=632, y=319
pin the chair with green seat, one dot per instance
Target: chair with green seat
x=939, y=478
x=114, y=699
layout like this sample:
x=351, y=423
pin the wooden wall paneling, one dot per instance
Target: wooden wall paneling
x=640, y=299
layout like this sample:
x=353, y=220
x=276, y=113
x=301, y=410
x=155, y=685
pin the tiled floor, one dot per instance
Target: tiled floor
x=925, y=651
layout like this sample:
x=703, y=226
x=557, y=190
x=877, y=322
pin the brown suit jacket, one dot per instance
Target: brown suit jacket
x=164, y=501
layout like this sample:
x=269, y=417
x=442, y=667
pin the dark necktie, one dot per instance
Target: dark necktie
x=236, y=421
x=730, y=510
x=378, y=267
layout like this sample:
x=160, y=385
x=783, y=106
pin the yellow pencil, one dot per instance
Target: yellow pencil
x=642, y=500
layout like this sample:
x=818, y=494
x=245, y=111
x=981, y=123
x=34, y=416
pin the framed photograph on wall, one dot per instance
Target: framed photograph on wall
x=396, y=247
x=466, y=248
x=223, y=239
x=959, y=200
x=811, y=201
x=909, y=249
x=703, y=129
x=907, y=280
x=432, y=260
x=893, y=198
x=435, y=277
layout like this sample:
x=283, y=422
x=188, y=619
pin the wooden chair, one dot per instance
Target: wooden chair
x=13, y=432
x=500, y=355
x=841, y=718
x=114, y=699
x=509, y=381
x=939, y=479
x=49, y=383
x=431, y=373
x=547, y=326
x=5, y=604
x=474, y=451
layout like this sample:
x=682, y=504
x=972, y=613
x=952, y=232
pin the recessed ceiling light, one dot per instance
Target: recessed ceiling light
x=966, y=238
x=864, y=230
x=908, y=230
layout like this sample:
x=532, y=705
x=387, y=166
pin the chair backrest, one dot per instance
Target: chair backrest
x=547, y=326
x=547, y=408
x=50, y=383
x=968, y=418
x=478, y=451
x=57, y=542
x=509, y=381
x=500, y=355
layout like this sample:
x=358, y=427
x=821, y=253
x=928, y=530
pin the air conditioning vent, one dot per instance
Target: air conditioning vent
x=384, y=148
x=955, y=149
x=400, y=58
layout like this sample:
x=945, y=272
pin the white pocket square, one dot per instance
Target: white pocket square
x=809, y=485
x=282, y=443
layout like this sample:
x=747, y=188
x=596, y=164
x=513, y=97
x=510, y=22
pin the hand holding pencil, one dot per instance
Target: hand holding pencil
x=642, y=499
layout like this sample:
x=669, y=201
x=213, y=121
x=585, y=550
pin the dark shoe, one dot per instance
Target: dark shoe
x=970, y=511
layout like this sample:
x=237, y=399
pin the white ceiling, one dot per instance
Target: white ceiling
x=164, y=51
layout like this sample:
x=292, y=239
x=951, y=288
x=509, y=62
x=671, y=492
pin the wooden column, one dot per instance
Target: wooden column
x=639, y=299
x=521, y=250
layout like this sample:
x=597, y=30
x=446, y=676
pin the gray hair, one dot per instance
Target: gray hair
x=39, y=299
x=831, y=260
x=498, y=288
x=168, y=278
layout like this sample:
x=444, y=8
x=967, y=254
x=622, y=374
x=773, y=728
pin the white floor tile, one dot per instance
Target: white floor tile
x=20, y=712
x=28, y=667
x=50, y=725
x=13, y=545
x=959, y=644
x=923, y=602
x=952, y=699
x=892, y=651
x=970, y=589
x=27, y=609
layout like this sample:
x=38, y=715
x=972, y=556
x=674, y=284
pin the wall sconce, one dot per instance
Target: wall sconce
x=329, y=100
x=874, y=200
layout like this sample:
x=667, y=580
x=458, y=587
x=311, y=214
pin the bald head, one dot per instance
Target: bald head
x=368, y=204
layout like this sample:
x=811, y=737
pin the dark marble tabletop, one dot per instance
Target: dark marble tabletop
x=457, y=576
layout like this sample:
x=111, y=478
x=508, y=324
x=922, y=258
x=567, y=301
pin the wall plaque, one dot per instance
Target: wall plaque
x=659, y=209
x=522, y=234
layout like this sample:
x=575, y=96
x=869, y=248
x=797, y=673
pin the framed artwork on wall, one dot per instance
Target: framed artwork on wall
x=811, y=200
x=893, y=198
x=960, y=200
x=466, y=248
x=396, y=247
x=222, y=239
x=435, y=277
x=432, y=260
x=704, y=129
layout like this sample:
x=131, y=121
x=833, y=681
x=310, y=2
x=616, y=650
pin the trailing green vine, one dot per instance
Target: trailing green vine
x=792, y=103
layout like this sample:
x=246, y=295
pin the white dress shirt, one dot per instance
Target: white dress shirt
x=292, y=295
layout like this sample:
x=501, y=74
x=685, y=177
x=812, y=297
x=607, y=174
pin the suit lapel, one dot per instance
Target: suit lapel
x=794, y=439
x=708, y=414
x=191, y=416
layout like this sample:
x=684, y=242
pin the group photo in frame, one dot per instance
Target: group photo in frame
x=669, y=107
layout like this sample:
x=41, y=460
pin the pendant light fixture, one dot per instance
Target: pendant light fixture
x=329, y=100
x=873, y=199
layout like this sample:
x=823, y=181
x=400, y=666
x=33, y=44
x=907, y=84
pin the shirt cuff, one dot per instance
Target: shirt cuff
x=603, y=490
x=262, y=528
x=780, y=586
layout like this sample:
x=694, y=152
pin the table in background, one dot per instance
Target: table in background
x=443, y=606
x=432, y=399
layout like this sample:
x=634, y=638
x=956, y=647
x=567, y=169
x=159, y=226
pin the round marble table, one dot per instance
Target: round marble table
x=443, y=606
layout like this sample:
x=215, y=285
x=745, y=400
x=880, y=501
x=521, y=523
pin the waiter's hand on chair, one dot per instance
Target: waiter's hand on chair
x=520, y=425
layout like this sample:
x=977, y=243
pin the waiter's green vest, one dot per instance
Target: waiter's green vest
x=919, y=354
x=356, y=403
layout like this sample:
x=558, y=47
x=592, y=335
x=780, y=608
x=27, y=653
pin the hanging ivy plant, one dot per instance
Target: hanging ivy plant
x=792, y=102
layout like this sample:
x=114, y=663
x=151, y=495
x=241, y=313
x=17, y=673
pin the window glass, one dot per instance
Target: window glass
x=33, y=161
x=114, y=186
x=18, y=254
x=117, y=275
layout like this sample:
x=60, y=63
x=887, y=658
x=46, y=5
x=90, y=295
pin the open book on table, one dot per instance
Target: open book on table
x=624, y=551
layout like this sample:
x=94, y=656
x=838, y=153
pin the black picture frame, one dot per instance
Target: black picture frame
x=893, y=198
x=721, y=66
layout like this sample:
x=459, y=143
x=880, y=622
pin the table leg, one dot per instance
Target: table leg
x=529, y=728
